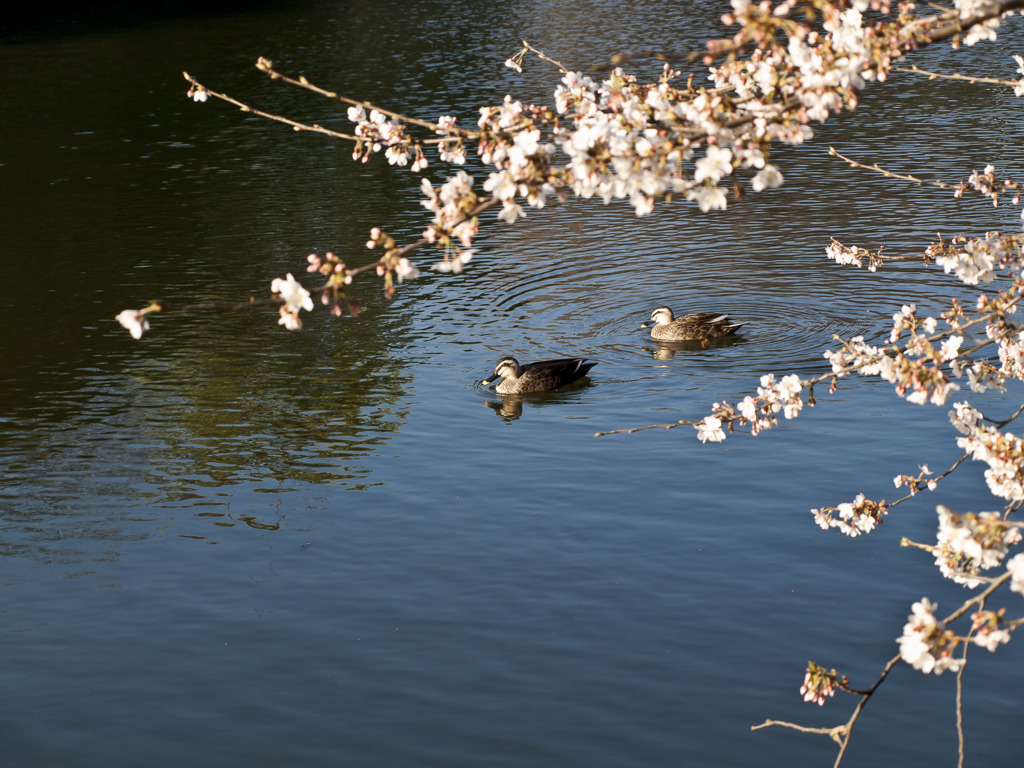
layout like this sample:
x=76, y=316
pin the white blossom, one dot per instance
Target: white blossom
x=455, y=263
x=295, y=298
x=1004, y=453
x=406, y=270
x=964, y=417
x=1015, y=565
x=710, y=430
x=768, y=177
x=922, y=643
x=134, y=320
x=971, y=543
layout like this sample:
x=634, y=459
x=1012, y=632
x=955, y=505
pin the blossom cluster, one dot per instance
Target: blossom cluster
x=375, y=131
x=916, y=483
x=989, y=630
x=453, y=206
x=854, y=256
x=918, y=376
x=926, y=644
x=760, y=412
x=971, y=543
x=1004, y=454
x=862, y=515
x=977, y=261
x=983, y=31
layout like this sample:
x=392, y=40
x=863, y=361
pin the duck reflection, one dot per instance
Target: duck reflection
x=666, y=350
x=511, y=407
x=508, y=408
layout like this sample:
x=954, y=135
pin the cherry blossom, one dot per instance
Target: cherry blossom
x=970, y=543
x=851, y=518
x=988, y=630
x=926, y=644
x=134, y=320
x=1004, y=453
x=710, y=430
x=296, y=298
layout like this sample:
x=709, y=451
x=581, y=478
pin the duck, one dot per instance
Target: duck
x=699, y=326
x=537, y=377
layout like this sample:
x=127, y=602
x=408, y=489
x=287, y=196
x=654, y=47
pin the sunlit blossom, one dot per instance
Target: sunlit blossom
x=768, y=177
x=455, y=263
x=1015, y=565
x=134, y=320
x=862, y=515
x=296, y=298
x=406, y=270
x=970, y=543
x=715, y=165
x=710, y=430
x=925, y=644
x=964, y=417
x=989, y=631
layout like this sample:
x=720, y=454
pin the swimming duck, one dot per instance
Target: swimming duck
x=539, y=376
x=700, y=326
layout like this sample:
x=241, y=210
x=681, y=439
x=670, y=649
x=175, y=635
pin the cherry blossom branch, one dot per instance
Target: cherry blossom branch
x=199, y=92
x=1017, y=85
x=840, y=733
x=267, y=66
x=992, y=630
x=959, y=707
x=983, y=183
x=773, y=96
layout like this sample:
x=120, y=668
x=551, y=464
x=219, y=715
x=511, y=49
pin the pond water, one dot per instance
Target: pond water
x=227, y=544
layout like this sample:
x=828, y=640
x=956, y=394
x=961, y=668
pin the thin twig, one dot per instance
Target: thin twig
x=915, y=70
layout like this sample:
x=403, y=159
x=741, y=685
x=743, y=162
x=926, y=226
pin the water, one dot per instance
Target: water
x=232, y=545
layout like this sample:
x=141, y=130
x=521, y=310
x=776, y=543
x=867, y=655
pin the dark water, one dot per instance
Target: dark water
x=232, y=545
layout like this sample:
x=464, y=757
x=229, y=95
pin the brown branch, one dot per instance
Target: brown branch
x=260, y=113
x=265, y=65
x=915, y=70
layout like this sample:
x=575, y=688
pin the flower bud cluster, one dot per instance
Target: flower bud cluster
x=820, y=683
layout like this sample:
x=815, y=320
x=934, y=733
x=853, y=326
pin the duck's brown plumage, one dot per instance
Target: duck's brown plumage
x=699, y=326
x=539, y=376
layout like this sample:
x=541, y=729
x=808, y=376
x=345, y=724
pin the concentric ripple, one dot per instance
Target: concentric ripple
x=588, y=298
